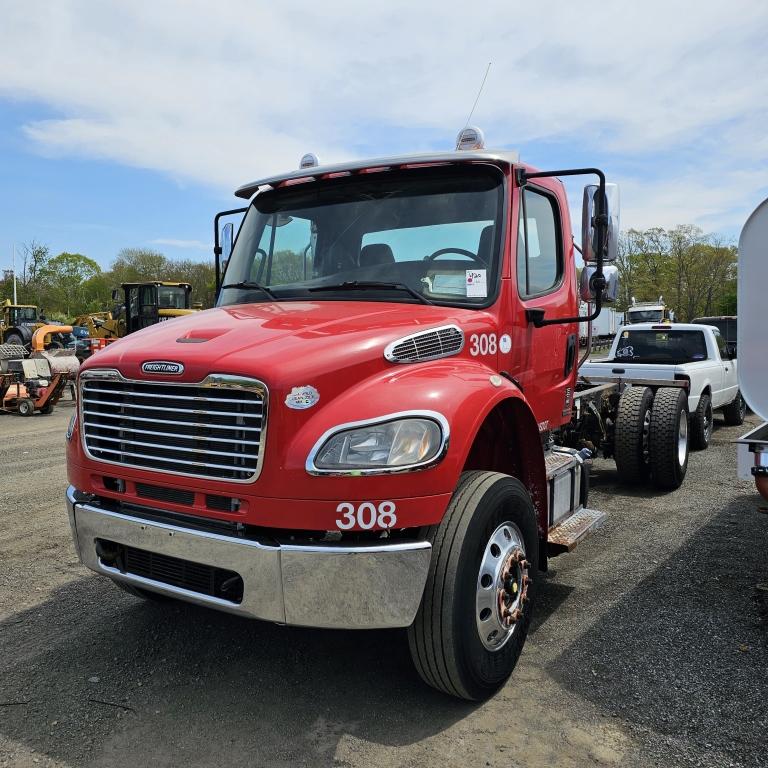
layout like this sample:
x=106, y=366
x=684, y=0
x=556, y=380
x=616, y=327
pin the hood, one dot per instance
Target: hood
x=279, y=342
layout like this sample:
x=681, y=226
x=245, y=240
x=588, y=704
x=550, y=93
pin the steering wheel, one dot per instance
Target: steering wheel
x=461, y=251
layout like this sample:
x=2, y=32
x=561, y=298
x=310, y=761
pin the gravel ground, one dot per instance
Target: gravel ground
x=649, y=648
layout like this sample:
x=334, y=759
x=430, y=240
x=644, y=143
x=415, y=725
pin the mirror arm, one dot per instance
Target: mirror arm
x=536, y=316
x=217, y=246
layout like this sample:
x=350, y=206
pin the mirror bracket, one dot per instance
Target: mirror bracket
x=217, y=250
x=536, y=316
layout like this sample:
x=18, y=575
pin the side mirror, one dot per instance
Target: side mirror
x=115, y=294
x=588, y=228
x=227, y=240
x=611, y=290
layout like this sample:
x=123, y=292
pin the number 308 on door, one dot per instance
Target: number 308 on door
x=366, y=515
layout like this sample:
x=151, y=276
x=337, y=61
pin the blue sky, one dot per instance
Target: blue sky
x=128, y=126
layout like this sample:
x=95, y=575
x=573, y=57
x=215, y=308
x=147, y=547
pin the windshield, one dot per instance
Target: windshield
x=428, y=234
x=171, y=297
x=21, y=315
x=646, y=315
x=657, y=346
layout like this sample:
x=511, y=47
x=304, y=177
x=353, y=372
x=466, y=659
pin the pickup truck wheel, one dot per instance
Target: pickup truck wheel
x=669, y=438
x=735, y=412
x=701, y=423
x=632, y=434
x=474, y=615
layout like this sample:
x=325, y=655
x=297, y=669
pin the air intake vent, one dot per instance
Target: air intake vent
x=426, y=345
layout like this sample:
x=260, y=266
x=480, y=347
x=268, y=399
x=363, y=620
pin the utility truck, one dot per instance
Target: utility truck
x=378, y=425
x=649, y=312
x=752, y=450
x=695, y=357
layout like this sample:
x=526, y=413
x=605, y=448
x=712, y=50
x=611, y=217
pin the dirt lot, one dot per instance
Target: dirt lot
x=650, y=647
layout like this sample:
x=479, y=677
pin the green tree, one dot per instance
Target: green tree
x=64, y=278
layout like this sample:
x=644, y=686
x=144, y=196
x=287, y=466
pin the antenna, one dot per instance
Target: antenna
x=477, y=98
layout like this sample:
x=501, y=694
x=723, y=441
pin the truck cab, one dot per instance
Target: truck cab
x=363, y=432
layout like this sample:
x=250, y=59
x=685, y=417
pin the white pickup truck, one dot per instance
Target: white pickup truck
x=693, y=356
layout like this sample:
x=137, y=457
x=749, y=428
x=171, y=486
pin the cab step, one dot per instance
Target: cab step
x=566, y=535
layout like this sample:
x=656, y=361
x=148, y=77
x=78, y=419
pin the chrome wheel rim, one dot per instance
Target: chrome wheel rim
x=646, y=437
x=502, y=586
x=682, y=438
x=708, y=423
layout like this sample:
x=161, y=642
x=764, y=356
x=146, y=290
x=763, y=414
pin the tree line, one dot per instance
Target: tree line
x=694, y=272
x=70, y=284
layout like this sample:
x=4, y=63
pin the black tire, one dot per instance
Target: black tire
x=736, y=411
x=584, y=487
x=12, y=352
x=632, y=431
x=26, y=407
x=14, y=339
x=669, y=437
x=47, y=409
x=445, y=641
x=701, y=423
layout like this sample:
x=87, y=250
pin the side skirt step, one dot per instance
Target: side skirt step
x=566, y=535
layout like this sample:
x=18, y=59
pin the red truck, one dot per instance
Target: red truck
x=380, y=423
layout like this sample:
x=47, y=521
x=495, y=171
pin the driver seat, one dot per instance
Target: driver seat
x=376, y=253
x=485, y=246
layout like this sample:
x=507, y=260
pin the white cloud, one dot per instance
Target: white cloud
x=224, y=94
x=196, y=245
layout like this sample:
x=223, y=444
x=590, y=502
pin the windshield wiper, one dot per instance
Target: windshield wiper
x=372, y=285
x=249, y=285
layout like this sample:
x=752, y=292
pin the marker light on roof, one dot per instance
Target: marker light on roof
x=470, y=138
x=309, y=161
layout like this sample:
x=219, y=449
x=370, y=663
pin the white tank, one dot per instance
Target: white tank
x=752, y=332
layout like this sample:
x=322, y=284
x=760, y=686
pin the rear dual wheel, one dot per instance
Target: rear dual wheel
x=474, y=615
x=652, y=437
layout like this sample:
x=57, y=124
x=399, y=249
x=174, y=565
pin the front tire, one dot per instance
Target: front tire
x=474, y=615
x=735, y=412
x=701, y=423
x=26, y=407
x=669, y=438
x=14, y=339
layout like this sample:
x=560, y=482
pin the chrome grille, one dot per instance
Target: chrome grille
x=426, y=345
x=214, y=429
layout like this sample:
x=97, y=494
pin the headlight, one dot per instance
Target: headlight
x=72, y=422
x=393, y=444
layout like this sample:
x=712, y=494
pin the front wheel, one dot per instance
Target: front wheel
x=26, y=407
x=735, y=412
x=474, y=615
x=701, y=423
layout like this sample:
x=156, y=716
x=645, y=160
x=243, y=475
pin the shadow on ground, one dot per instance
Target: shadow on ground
x=93, y=674
x=685, y=653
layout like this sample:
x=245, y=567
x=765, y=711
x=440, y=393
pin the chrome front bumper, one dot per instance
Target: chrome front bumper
x=353, y=587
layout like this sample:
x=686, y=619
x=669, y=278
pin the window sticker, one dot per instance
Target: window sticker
x=477, y=286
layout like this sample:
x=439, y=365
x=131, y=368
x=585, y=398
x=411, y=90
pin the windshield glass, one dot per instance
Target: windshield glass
x=434, y=231
x=21, y=315
x=645, y=315
x=171, y=297
x=657, y=346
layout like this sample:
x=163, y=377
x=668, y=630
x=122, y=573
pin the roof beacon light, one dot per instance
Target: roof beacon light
x=470, y=138
x=309, y=161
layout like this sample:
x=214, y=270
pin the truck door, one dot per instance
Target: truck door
x=546, y=357
x=729, y=382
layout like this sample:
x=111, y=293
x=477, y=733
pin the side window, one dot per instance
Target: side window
x=540, y=265
x=721, y=345
x=285, y=250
